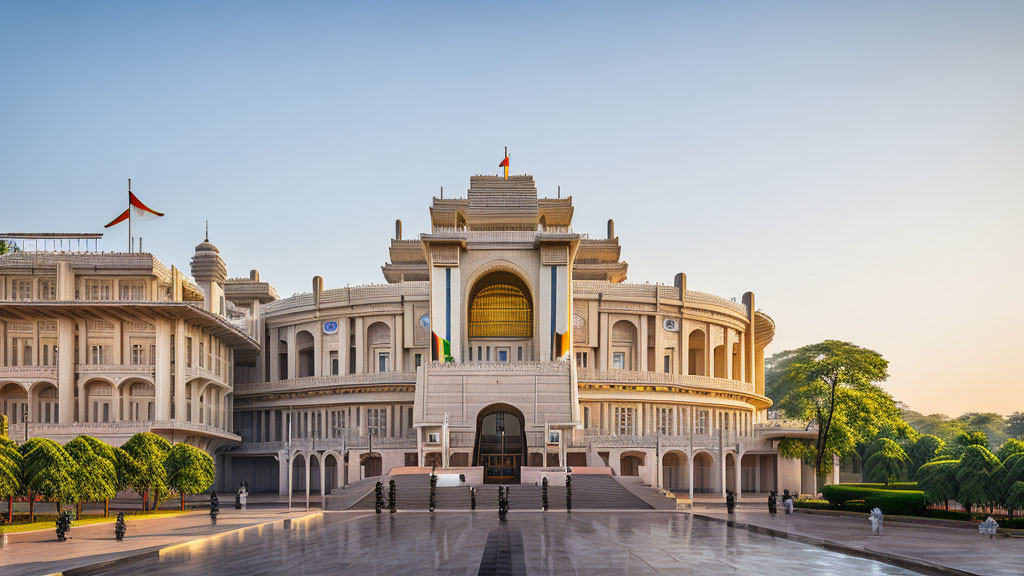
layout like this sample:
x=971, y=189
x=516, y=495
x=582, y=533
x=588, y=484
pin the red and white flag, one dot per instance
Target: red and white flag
x=136, y=211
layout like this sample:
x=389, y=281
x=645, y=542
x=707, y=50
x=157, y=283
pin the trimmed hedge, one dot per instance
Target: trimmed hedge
x=891, y=485
x=811, y=503
x=863, y=499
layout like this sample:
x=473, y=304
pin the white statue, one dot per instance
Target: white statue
x=788, y=505
x=989, y=527
x=243, y=494
x=876, y=521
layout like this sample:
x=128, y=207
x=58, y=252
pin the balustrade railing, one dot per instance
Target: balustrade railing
x=134, y=368
x=29, y=370
x=682, y=380
x=521, y=367
x=326, y=381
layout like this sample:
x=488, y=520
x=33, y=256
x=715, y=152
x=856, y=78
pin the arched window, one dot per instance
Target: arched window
x=500, y=308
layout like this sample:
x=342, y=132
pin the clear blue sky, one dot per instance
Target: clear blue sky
x=858, y=166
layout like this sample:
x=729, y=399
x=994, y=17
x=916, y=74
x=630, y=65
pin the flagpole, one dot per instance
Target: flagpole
x=129, y=215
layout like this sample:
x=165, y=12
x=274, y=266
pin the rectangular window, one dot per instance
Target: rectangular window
x=334, y=363
x=619, y=360
x=586, y=417
x=488, y=353
x=581, y=359
x=702, y=422
x=519, y=353
x=137, y=357
x=133, y=290
x=21, y=289
x=47, y=289
x=28, y=359
x=99, y=355
x=188, y=352
x=664, y=421
x=377, y=421
x=419, y=358
x=502, y=355
x=97, y=289
x=668, y=364
x=383, y=361
x=470, y=353
x=202, y=354
x=625, y=421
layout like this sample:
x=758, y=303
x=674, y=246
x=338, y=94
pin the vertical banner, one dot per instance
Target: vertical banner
x=444, y=313
x=561, y=324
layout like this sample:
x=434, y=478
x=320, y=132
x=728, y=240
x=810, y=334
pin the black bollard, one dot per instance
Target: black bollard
x=120, y=527
x=472, y=497
x=730, y=501
x=214, y=507
x=772, y=505
x=378, y=497
x=544, y=494
x=392, y=496
x=63, y=526
x=502, y=502
x=568, y=492
x=433, y=490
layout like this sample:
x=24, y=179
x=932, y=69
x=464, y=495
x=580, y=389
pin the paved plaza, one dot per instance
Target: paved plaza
x=952, y=548
x=588, y=543
x=38, y=552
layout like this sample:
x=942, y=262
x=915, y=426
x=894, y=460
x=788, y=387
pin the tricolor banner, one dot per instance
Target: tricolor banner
x=136, y=211
x=440, y=349
x=504, y=163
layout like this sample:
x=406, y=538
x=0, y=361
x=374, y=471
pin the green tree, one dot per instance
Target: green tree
x=1009, y=448
x=938, y=481
x=887, y=462
x=1015, y=425
x=10, y=469
x=8, y=247
x=955, y=449
x=992, y=424
x=49, y=471
x=189, y=470
x=832, y=383
x=923, y=451
x=141, y=461
x=97, y=469
x=977, y=475
x=1011, y=483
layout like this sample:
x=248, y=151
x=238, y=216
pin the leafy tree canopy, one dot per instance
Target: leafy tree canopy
x=977, y=475
x=141, y=459
x=833, y=383
x=49, y=471
x=10, y=468
x=886, y=462
x=189, y=469
x=924, y=450
x=938, y=480
x=1009, y=448
x=1015, y=425
x=96, y=474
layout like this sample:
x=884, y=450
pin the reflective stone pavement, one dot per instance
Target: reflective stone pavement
x=587, y=543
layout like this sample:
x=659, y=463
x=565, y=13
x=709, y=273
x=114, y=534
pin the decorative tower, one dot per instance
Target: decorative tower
x=210, y=272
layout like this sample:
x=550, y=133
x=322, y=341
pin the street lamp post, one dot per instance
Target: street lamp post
x=24, y=418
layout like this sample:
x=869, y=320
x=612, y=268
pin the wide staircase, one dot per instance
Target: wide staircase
x=589, y=492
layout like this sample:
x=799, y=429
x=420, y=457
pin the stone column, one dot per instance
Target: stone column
x=293, y=360
x=709, y=352
x=360, y=346
x=163, y=370
x=398, y=362
x=642, y=344
x=727, y=350
x=739, y=474
x=119, y=345
x=195, y=401
x=343, y=348
x=604, y=341
x=318, y=349
x=66, y=370
x=180, y=367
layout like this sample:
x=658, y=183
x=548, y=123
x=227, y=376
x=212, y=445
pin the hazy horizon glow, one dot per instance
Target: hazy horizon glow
x=859, y=167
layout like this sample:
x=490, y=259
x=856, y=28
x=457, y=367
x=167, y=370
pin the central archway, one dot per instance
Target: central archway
x=500, y=445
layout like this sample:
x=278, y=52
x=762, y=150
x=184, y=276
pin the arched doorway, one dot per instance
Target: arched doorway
x=372, y=465
x=702, y=465
x=500, y=325
x=500, y=443
x=675, y=473
x=630, y=463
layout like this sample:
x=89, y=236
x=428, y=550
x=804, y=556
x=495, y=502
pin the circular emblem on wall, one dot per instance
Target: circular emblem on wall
x=671, y=324
x=425, y=321
x=330, y=327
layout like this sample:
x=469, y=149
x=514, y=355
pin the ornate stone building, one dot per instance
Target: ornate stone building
x=504, y=343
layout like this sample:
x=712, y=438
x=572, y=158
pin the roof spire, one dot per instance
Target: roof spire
x=207, y=231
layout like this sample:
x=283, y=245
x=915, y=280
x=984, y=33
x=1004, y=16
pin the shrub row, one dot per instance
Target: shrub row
x=890, y=486
x=862, y=499
x=811, y=503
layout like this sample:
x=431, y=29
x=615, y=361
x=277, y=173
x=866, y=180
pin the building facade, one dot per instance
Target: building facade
x=502, y=345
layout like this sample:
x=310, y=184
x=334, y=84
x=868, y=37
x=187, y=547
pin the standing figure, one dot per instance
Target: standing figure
x=730, y=501
x=772, y=505
x=242, y=496
x=876, y=521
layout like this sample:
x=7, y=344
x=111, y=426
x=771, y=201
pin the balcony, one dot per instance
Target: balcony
x=122, y=430
x=657, y=378
x=555, y=368
x=27, y=372
x=320, y=382
x=197, y=372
